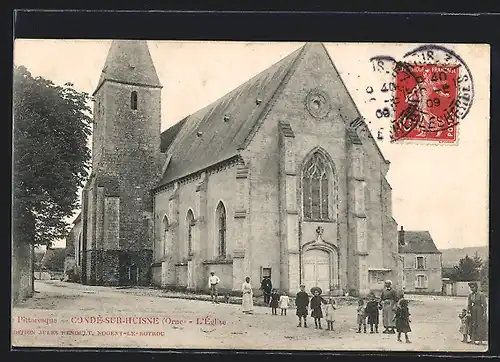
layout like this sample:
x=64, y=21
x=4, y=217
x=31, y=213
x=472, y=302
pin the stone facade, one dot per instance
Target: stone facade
x=422, y=262
x=184, y=258
x=22, y=271
x=279, y=177
x=126, y=164
x=74, y=248
x=424, y=276
x=353, y=243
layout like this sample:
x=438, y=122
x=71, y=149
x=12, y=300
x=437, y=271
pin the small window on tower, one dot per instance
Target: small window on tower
x=133, y=100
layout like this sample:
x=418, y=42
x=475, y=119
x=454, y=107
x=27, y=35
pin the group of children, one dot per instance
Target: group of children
x=302, y=303
x=278, y=300
x=370, y=312
x=365, y=313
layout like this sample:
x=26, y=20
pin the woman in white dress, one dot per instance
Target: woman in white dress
x=247, y=303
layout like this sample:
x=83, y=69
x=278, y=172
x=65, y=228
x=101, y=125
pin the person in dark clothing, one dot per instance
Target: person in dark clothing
x=402, y=319
x=316, y=301
x=477, y=307
x=266, y=287
x=302, y=303
x=372, y=311
x=275, y=298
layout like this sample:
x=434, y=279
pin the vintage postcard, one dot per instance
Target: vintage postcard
x=250, y=196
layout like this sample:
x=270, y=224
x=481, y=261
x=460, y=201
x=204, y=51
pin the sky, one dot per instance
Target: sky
x=437, y=187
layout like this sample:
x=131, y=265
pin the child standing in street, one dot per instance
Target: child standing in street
x=316, y=302
x=283, y=303
x=275, y=297
x=361, y=318
x=372, y=311
x=402, y=318
x=329, y=313
x=464, y=325
x=302, y=302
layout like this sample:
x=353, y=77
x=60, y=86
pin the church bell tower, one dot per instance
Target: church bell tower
x=116, y=203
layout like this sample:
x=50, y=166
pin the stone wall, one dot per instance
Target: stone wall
x=199, y=195
x=131, y=155
x=327, y=133
x=22, y=272
x=260, y=244
x=111, y=267
x=117, y=204
x=225, y=273
x=432, y=271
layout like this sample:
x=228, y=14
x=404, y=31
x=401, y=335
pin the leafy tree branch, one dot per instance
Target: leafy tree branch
x=51, y=158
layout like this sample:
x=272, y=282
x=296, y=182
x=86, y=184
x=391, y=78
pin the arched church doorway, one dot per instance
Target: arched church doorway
x=317, y=269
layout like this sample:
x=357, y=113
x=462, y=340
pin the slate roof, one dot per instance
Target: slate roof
x=129, y=61
x=218, y=131
x=168, y=136
x=418, y=242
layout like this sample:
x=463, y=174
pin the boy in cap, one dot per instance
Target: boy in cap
x=372, y=311
x=302, y=302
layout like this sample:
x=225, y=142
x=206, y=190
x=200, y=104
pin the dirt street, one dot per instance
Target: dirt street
x=72, y=315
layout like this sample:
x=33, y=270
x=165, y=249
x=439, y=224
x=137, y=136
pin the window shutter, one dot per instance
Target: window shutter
x=425, y=262
x=426, y=282
x=415, y=263
x=416, y=282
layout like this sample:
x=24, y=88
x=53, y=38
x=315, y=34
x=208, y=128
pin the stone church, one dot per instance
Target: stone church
x=276, y=178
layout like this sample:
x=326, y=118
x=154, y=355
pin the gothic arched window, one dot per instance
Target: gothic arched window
x=133, y=100
x=190, y=224
x=164, y=238
x=316, y=185
x=221, y=229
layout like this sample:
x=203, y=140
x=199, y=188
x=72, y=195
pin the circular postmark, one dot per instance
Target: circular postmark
x=398, y=95
x=446, y=94
x=317, y=103
x=430, y=90
x=442, y=57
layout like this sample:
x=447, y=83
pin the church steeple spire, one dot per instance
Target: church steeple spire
x=129, y=62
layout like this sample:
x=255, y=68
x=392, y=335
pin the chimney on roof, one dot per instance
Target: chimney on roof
x=401, y=236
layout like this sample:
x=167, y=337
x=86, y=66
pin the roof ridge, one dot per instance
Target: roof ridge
x=215, y=132
x=232, y=91
x=178, y=137
x=272, y=100
x=352, y=101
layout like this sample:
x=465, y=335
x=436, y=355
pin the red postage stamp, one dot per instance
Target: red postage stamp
x=425, y=102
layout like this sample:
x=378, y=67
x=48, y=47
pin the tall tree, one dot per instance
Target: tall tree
x=468, y=269
x=54, y=259
x=51, y=127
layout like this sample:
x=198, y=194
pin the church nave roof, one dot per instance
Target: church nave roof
x=218, y=131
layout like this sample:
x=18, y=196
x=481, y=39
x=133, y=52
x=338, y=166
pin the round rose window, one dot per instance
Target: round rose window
x=317, y=103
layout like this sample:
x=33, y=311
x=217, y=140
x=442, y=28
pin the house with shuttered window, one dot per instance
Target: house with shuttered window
x=422, y=266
